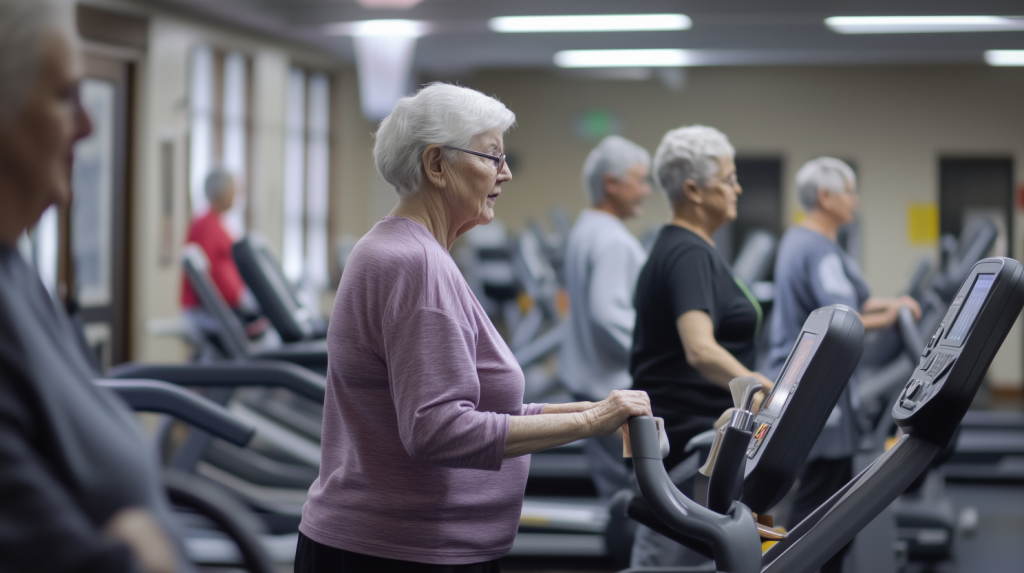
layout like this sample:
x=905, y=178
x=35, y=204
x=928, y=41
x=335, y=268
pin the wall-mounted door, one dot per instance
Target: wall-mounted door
x=759, y=206
x=971, y=188
x=95, y=253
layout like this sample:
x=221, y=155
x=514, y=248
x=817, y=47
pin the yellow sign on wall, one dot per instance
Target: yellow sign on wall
x=798, y=216
x=922, y=223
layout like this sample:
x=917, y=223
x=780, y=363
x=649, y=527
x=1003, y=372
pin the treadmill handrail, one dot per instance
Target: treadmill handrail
x=819, y=536
x=231, y=375
x=733, y=536
x=158, y=396
x=910, y=333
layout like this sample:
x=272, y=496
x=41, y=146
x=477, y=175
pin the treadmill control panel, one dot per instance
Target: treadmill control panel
x=931, y=405
x=810, y=384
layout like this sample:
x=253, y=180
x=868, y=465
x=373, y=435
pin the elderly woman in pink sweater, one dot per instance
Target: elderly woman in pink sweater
x=426, y=440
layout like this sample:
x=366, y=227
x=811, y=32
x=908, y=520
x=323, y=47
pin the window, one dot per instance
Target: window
x=307, y=171
x=219, y=95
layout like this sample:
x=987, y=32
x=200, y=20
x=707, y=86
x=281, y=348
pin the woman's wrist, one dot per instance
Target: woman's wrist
x=568, y=408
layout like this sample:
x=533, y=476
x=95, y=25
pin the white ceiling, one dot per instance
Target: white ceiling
x=735, y=32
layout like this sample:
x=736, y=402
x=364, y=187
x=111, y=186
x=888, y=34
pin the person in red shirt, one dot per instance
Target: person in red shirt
x=208, y=232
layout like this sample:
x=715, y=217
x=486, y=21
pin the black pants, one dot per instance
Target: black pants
x=819, y=479
x=313, y=557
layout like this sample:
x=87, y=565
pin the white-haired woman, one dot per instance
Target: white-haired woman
x=695, y=324
x=602, y=261
x=425, y=436
x=80, y=486
x=812, y=271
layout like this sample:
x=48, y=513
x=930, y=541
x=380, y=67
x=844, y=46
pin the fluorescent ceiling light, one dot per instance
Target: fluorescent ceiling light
x=591, y=23
x=922, y=24
x=389, y=4
x=1004, y=57
x=622, y=58
x=378, y=28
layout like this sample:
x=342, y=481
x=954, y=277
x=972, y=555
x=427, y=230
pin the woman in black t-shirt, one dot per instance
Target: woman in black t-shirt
x=695, y=323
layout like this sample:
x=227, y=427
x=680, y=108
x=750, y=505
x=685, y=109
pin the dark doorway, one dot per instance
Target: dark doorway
x=95, y=253
x=972, y=188
x=760, y=205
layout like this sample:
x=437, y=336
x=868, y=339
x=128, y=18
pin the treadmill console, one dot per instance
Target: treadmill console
x=809, y=386
x=958, y=354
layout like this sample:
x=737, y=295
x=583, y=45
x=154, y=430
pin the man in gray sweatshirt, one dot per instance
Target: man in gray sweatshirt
x=602, y=262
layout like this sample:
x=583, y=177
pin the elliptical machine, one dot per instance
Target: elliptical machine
x=928, y=411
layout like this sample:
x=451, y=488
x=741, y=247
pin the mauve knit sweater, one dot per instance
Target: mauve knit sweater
x=420, y=387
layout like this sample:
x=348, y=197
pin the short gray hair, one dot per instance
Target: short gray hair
x=23, y=26
x=613, y=156
x=826, y=173
x=689, y=153
x=440, y=113
x=216, y=182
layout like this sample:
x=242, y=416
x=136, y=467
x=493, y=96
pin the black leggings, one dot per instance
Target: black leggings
x=313, y=557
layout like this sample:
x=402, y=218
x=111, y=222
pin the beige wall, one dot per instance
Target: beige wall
x=894, y=122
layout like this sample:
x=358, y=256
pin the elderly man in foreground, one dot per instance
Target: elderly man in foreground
x=602, y=262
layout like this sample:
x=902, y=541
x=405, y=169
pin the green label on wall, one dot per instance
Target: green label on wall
x=596, y=123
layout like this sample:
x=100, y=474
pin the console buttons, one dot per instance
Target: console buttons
x=915, y=387
x=758, y=438
x=935, y=337
x=941, y=362
x=926, y=360
x=908, y=404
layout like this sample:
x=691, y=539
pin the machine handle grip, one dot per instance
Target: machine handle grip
x=726, y=483
x=732, y=536
x=157, y=396
x=231, y=375
x=913, y=344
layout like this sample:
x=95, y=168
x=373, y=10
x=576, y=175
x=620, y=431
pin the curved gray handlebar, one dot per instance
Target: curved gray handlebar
x=733, y=537
x=913, y=344
x=157, y=396
x=231, y=374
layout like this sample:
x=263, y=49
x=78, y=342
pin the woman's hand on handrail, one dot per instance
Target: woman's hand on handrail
x=529, y=434
x=139, y=530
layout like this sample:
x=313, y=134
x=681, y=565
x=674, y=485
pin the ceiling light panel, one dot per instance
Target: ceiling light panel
x=591, y=23
x=378, y=28
x=922, y=24
x=1004, y=57
x=389, y=4
x=623, y=58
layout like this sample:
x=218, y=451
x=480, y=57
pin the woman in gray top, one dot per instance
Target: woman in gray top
x=812, y=271
x=602, y=261
x=79, y=485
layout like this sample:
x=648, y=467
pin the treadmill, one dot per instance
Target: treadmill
x=230, y=334
x=929, y=410
x=276, y=295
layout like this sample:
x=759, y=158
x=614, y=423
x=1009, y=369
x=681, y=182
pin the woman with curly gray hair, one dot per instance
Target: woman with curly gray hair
x=426, y=437
x=695, y=323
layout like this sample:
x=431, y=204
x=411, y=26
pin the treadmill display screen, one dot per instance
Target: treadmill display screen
x=971, y=308
x=793, y=372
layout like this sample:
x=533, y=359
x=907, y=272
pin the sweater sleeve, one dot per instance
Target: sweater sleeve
x=431, y=361
x=42, y=527
x=532, y=409
x=611, y=302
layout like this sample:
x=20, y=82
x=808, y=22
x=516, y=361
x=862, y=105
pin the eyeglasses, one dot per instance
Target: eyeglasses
x=732, y=180
x=499, y=160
